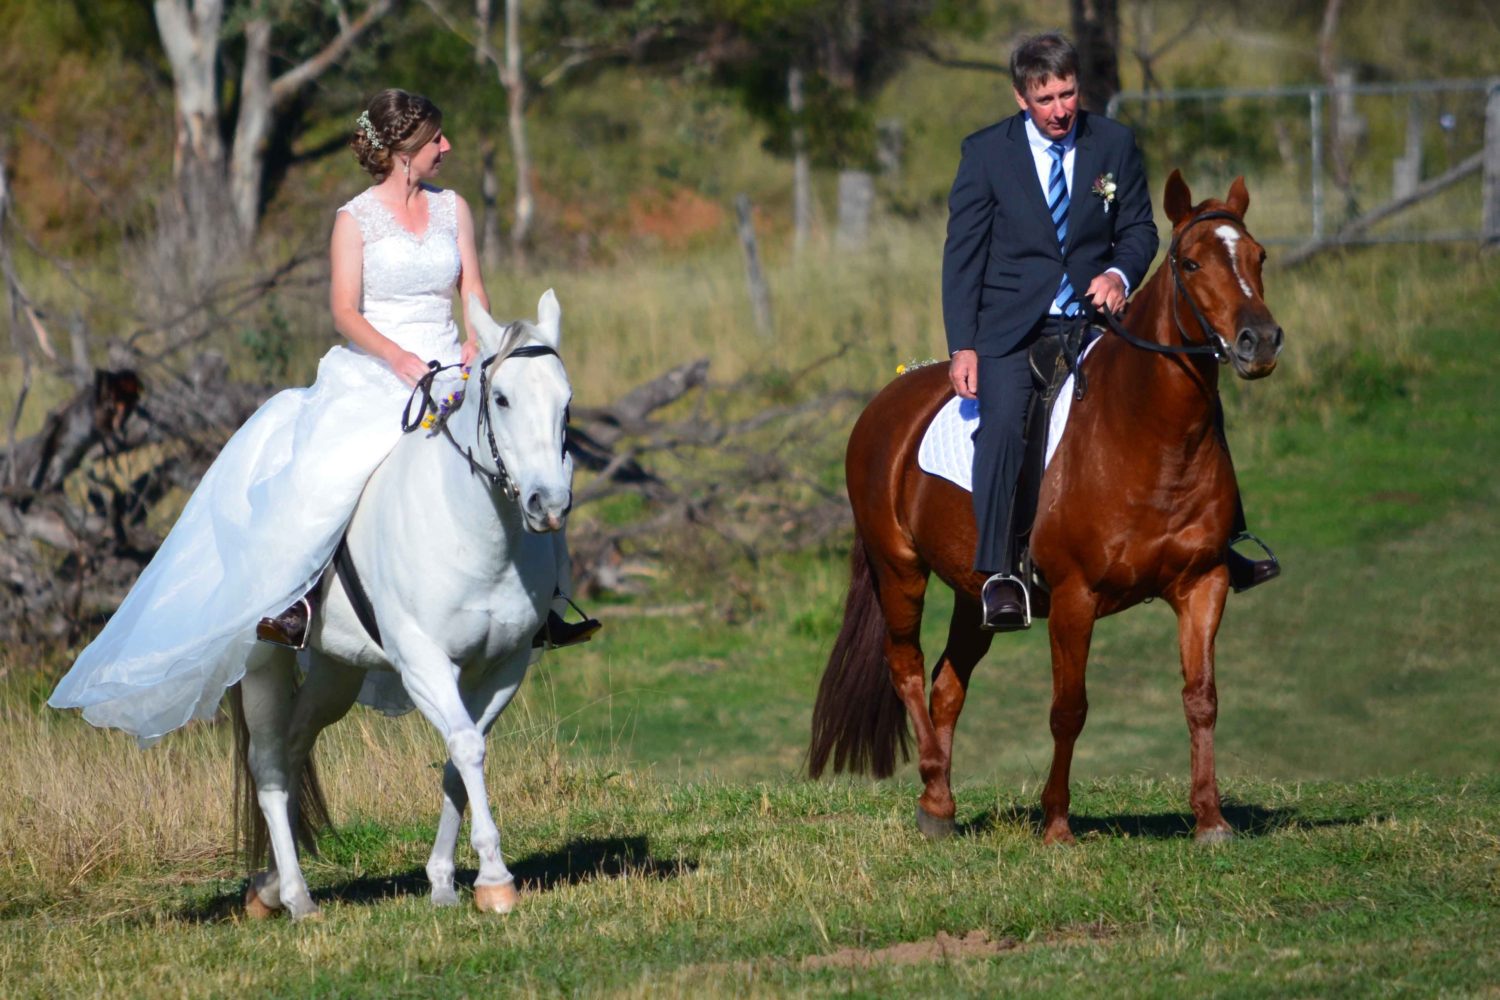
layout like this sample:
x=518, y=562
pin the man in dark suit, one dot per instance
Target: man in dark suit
x=1049, y=210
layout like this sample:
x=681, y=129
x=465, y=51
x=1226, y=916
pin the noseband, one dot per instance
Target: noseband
x=1213, y=342
x=499, y=479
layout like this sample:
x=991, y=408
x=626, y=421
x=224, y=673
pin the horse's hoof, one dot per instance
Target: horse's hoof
x=496, y=898
x=934, y=828
x=1061, y=835
x=255, y=907
x=1214, y=835
x=445, y=896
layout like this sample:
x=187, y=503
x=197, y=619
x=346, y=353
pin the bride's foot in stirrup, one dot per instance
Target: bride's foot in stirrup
x=288, y=628
x=556, y=633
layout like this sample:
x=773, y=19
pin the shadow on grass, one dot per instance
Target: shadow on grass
x=1248, y=820
x=580, y=860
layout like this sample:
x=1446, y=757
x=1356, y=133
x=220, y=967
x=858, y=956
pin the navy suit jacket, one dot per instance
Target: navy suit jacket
x=1001, y=262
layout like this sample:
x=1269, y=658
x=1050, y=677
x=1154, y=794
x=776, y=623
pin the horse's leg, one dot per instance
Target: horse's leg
x=967, y=644
x=1198, y=616
x=902, y=592
x=266, y=695
x=1070, y=627
x=485, y=700
x=429, y=678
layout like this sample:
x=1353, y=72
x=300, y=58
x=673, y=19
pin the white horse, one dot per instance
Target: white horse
x=455, y=554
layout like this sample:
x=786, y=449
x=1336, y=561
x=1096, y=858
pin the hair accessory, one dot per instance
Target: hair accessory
x=368, y=128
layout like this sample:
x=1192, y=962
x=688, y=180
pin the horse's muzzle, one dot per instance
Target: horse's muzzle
x=546, y=509
x=1257, y=345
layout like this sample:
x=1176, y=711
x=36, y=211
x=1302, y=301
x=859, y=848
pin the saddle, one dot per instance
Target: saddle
x=1052, y=359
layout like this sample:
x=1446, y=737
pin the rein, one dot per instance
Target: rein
x=500, y=478
x=1213, y=343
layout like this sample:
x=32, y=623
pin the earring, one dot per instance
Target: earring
x=406, y=165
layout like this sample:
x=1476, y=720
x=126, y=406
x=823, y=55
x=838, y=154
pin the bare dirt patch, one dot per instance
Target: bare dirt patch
x=943, y=947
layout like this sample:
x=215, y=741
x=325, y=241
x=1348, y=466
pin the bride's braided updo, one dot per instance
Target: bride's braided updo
x=394, y=122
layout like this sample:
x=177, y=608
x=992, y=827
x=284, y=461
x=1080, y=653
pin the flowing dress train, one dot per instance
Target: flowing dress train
x=263, y=523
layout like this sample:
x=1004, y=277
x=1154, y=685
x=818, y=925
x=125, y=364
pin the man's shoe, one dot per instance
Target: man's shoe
x=556, y=633
x=1245, y=572
x=288, y=628
x=1006, y=608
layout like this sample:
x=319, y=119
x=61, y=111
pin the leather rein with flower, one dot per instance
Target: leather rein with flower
x=432, y=415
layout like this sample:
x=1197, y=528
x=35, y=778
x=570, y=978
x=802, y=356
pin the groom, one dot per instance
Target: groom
x=1049, y=211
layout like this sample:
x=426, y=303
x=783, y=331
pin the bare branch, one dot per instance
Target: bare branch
x=294, y=79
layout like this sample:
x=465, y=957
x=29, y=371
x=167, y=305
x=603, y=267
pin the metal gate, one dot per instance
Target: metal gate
x=1351, y=163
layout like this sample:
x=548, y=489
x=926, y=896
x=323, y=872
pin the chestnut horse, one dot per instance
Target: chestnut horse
x=1137, y=503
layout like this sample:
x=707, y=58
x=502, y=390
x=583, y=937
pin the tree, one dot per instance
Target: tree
x=1096, y=32
x=213, y=183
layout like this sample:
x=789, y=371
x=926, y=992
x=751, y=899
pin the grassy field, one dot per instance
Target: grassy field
x=640, y=886
x=649, y=792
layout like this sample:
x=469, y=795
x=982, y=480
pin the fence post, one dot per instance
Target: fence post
x=1489, y=227
x=760, y=293
x=1406, y=171
x=1316, y=98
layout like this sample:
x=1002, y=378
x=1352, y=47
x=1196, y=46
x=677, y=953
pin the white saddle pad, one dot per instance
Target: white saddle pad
x=947, y=448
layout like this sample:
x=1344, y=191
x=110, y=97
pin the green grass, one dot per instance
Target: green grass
x=638, y=888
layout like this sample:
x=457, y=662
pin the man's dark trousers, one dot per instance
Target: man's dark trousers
x=999, y=449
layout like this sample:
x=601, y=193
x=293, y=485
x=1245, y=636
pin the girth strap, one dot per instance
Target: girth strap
x=343, y=563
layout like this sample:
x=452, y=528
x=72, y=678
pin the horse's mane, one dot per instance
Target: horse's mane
x=517, y=332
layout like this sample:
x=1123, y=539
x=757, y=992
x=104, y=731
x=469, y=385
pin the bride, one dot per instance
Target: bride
x=263, y=524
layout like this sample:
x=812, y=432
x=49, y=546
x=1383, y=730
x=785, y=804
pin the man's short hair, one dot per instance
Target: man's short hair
x=1040, y=58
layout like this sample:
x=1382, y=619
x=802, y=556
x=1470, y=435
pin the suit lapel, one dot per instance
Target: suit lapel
x=1029, y=184
x=1086, y=162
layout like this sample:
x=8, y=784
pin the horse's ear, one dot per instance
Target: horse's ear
x=1178, y=200
x=490, y=333
x=549, y=319
x=1239, y=197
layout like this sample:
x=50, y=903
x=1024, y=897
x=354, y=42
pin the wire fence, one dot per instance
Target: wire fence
x=1355, y=163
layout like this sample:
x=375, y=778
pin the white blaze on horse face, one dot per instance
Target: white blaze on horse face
x=1231, y=238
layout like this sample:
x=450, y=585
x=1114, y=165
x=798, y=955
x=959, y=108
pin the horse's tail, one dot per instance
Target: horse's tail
x=858, y=719
x=249, y=822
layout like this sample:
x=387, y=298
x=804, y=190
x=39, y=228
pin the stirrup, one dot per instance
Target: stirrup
x=1262, y=570
x=557, y=633
x=1025, y=598
x=275, y=630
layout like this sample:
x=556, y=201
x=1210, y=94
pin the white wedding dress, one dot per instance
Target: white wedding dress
x=263, y=523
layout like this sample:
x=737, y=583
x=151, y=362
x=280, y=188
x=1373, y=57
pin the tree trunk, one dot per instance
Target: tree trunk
x=515, y=86
x=190, y=39
x=247, y=161
x=1096, y=29
x=801, y=164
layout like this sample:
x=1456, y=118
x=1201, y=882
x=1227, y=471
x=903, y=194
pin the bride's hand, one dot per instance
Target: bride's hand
x=408, y=367
x=469, y=352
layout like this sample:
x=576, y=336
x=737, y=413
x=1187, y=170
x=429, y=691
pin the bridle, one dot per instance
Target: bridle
x=1213, y=342
x=500, y=479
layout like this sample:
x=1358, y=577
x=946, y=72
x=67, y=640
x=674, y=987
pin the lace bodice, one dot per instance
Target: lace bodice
x=408, y=280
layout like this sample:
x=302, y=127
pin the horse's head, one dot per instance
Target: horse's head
x=1216, y=266
x=525, y=395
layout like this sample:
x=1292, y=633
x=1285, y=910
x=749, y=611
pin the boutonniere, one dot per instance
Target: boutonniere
x=1104, y=188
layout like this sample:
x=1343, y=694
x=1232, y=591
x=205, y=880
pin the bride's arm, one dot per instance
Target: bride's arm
x=346, y=255
x=470, y=280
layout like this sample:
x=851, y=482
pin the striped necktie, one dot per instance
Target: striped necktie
x=1057, y=205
